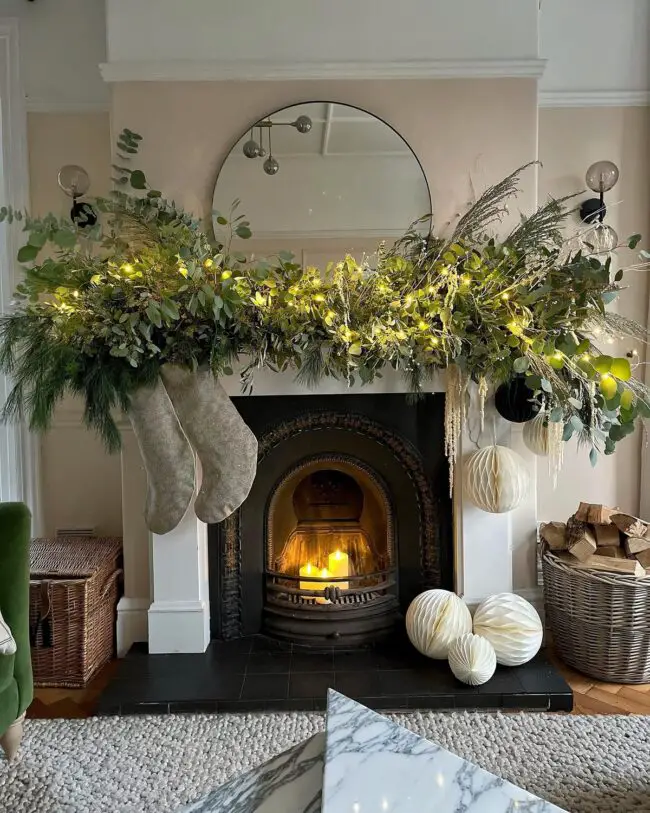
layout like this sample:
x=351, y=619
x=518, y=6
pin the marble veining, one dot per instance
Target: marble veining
x=372, y=765
x=288, y=783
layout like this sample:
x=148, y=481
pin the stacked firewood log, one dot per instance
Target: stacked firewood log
x=601, y=538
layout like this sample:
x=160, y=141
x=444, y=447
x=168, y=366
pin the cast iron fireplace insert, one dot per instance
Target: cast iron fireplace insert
x=348, y=519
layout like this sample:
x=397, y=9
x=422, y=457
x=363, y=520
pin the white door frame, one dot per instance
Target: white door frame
x=19, y=449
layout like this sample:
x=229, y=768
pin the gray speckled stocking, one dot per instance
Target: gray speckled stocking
x=224, y=444
x=168, y=457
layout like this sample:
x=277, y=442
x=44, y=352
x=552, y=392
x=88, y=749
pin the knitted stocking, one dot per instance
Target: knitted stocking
x=224, y=444
x=167, y=455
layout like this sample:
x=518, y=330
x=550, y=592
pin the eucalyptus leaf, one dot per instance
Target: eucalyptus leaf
x=138, y=179
x=608, y=386
x=38, y=238
x=64, y=238
x=602, y=364
x=521, y=364
x=620, y=368
x=593, y=457
x=27, y=253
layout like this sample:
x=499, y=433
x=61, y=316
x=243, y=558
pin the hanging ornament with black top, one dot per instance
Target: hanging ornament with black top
x=515, y=401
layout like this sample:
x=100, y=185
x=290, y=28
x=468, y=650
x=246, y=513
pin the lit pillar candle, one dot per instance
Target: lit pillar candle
x=339, y=566
x=317, y=582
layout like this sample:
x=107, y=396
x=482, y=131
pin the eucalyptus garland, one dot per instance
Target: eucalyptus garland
x=148, y=286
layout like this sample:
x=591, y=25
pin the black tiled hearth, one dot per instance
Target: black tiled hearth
x=260, y=674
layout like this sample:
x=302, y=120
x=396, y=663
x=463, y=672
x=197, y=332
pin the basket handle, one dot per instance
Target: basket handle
x=108, y=584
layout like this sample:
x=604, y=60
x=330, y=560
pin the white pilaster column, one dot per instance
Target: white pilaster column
x=482, y=542
x=132, y=609
x=179, y=617
x=523, y=523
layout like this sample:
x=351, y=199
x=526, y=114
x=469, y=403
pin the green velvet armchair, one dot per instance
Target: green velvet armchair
x=16, y=681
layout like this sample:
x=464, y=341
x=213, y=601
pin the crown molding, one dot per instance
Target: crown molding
x=594, y=98
x=262, y=70
x=54, y=106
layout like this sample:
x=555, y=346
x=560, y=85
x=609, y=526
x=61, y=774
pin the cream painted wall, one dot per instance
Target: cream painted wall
x=466, y=133
x=81, y=483
x=570, y=140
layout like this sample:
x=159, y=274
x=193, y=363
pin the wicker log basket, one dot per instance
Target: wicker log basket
x=600, y=622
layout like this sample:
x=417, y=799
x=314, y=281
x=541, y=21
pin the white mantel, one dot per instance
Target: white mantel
x=166, y=577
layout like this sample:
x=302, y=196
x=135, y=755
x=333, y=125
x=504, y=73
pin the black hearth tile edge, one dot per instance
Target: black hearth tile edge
x=471, y=701
x=257, y=706
x=431, y=702
x=538, y=702
x=561, y=702
x=194, y=706
x=144, y=708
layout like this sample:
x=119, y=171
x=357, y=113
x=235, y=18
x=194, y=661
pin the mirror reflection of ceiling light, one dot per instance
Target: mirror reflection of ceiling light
x=255, y=149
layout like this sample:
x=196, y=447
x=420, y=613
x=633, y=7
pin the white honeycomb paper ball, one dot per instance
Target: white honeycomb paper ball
x=513, y=627
x=472, y=659
x=434, y=620
x=536, y=435
x=496, y=479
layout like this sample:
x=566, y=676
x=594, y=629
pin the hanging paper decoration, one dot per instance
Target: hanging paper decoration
x=496, y=479
x=515, y=402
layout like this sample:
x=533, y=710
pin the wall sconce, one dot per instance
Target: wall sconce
x=600, y=177
x=75, y=182
x=254, y=149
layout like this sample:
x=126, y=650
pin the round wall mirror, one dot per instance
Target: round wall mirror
x=322, y=179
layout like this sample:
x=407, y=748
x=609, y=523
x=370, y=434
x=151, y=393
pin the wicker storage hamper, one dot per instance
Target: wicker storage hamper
x=600, y=622
x=73, y=595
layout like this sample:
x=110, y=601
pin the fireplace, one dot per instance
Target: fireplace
x=348, y=519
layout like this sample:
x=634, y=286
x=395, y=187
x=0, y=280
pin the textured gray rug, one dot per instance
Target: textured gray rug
x=142, y=764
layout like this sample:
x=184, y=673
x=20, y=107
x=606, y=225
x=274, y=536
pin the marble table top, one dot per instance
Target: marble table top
x=288, y=783
x=365, y=763
x=373, y=765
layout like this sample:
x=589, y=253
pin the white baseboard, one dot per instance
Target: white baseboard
x=178, y=626
x=132, y=623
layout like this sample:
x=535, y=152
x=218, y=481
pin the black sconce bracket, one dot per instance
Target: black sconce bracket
x=592, y=210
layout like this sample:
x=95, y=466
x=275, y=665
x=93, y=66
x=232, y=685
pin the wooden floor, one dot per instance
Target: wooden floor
x=590, y=697
x=595, y=697
x=70, y=703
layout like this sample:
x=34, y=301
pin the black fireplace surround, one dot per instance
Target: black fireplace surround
x=398, y=440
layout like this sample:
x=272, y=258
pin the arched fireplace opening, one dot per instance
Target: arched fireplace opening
x=330, y=568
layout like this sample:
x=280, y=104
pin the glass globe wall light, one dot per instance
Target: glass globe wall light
x=601, y=177
x=75, y=182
